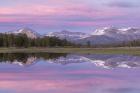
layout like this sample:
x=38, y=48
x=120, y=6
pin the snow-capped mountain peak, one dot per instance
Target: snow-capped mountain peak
x=116, y=31
x=68, y=35
x=29, y=32
x=105, y=31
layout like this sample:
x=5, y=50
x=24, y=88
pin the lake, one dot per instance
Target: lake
x=69, y=73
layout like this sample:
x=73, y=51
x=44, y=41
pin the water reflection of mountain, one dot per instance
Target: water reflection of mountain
x=105, y=61
x=114, y=61
x=25, y=59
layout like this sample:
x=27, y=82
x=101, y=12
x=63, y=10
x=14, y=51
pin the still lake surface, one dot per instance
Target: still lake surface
x=69, y=73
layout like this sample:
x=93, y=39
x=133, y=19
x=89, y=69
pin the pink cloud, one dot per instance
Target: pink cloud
x=38, y=10
x=47, y=15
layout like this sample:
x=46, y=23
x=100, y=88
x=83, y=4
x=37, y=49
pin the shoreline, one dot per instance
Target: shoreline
x=119, y=50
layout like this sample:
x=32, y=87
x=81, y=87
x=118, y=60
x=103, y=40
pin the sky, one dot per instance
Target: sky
x=74, y=15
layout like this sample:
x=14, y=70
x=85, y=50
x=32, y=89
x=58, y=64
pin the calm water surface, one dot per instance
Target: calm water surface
x=69, y=73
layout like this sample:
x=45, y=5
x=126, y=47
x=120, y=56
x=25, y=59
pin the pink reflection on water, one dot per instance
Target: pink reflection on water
x=46, y=85
x=57, y=82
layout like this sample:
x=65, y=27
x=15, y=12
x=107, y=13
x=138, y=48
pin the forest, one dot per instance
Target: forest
x=21, y=40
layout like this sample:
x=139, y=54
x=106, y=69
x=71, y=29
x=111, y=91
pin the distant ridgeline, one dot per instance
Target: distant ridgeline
x=22, y=40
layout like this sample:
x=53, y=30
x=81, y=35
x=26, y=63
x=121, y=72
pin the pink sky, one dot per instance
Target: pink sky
x=74, y=15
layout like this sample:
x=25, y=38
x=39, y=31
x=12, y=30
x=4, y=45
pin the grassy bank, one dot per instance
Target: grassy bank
x=134, y=50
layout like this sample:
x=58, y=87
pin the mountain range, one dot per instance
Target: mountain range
x=106, y=35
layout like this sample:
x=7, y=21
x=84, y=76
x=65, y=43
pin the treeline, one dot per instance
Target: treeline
x=21, y=40
x=133, y=43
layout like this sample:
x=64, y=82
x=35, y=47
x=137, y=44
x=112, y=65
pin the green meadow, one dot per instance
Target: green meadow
x=121, y=50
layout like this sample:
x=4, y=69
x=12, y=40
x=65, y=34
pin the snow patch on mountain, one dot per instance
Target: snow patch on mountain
x=68, y=35
x=115, y=31
x=29, y=32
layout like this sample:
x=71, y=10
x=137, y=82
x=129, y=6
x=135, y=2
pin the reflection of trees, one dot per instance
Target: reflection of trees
x=23, y=57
